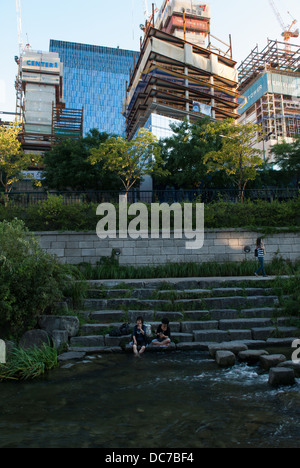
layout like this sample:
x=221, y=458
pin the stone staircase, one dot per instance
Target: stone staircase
x=201, y=312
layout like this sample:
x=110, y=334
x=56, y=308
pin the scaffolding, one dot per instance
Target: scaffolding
x=270, y=83
x=179, y=79
x=44, y=117
x=273, y=57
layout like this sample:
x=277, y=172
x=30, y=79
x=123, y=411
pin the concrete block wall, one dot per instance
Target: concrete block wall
x=219, y=245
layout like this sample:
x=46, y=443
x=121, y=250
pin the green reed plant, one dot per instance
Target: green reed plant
x=288, y=291
x=112, y=270
x=28, y=364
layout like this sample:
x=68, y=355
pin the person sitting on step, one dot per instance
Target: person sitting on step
x=139, y=337
x=163, y=333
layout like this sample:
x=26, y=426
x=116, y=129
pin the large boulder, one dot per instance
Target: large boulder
x=35, y=338
x=59, y=338
x=60, y=322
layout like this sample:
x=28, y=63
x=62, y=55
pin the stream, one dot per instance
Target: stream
x=174, y=400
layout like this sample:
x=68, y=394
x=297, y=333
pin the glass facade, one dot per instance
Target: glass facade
x=94, y=78
x=159, y=125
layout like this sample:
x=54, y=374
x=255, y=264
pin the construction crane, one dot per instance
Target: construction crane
x=287, y=30
x=19, y=26
x=146, y=11
x=18, y=83
x=149, y=18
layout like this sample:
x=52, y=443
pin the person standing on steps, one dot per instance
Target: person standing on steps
x=139, y=337
x=260, y=252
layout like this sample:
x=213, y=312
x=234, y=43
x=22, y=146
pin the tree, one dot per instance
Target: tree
x=12, y=160
x=236, y=155
x=183, y=153
x=130, y=160
x=287, y=156
x=67, y=165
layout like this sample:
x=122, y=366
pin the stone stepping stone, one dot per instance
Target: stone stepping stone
x=252, y=356
x=272, y=360
x=281, y=376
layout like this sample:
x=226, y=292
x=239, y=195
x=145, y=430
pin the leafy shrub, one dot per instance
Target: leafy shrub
x=30, y=279
x=288, y=290
x=54, y=214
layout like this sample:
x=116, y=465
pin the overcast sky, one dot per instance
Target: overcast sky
x=115, y=23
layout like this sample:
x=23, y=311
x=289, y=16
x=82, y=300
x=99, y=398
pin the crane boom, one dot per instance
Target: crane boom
x=287, y=32
x=19, y=26
x=277, y=14
x=146, y=12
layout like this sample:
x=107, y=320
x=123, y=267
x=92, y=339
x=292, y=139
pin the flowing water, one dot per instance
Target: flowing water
x=177, y=400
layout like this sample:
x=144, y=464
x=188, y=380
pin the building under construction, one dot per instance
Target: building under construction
x=177, y=76
x=40, y=105
x=269, y=81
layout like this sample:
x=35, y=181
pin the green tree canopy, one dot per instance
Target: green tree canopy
x=67, y=165
x=130, y=160
x=12, y=160
x=183, y=153
x=236, y=155
x=287, y=156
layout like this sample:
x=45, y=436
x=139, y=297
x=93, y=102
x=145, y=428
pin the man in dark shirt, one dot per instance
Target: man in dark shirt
x=163, y=333
x=139, y=337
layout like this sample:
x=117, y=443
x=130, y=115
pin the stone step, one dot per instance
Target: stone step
x=125, y=303
x=193, y=345
x=239, y=302
x=182, y=337
x=105, y=316
x=87, y=341
x=256, y=334
x=241, y=324
x=217, y=292
x=179, y=283
x=200, y=310
x=95, y=349
x=191, y=326
x=189, y=304
x=267, y=312
x=215, y=336
x=96, y=328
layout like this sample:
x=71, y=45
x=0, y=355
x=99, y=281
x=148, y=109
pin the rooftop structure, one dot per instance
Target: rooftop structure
x=185, y=19
x=270, y=84
x=273, y=57
x=40, y=106
x=176, y=76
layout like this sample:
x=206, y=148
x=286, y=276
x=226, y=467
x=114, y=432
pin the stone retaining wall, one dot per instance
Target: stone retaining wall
x=219, y=245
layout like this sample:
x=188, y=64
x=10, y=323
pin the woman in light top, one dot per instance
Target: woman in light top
x=261, y=251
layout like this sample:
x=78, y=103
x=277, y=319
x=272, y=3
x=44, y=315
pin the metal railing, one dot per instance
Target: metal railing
x=208, y=195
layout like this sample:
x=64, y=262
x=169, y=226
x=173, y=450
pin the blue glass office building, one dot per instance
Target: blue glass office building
x=94, y=78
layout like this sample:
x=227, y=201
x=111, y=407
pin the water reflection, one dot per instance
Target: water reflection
x=179, y=400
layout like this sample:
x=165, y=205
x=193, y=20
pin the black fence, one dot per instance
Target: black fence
x=155, y=196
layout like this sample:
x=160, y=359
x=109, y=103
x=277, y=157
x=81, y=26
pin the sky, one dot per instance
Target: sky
x=113, y=23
